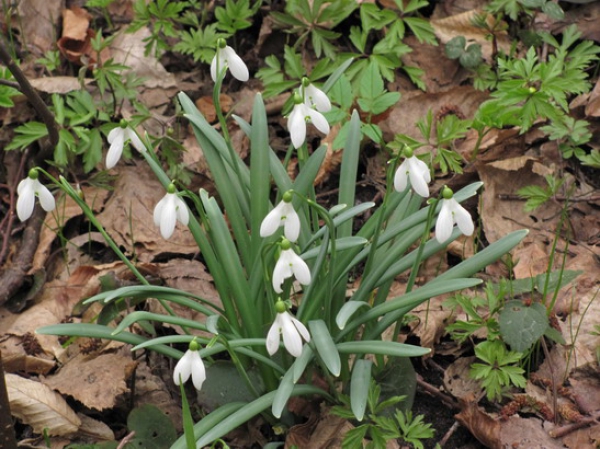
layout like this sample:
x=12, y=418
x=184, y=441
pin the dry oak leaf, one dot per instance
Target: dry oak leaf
x=38, y=406
x=95, y=381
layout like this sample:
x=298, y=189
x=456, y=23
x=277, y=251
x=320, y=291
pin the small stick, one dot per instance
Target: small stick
x=437, y=393
x=449, y=434
x=30, y=93
x=126, y=440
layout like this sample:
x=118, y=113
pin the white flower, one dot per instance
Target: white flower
x=297, y=123
x=168, y=210
x=417, y=171
x=282, y=215
x=117, y=138
x=452, y=212
x=27, y=190
x=289, y=264
x=227, y=57
x=293, y=332
x=190, y=364
x=315, y=98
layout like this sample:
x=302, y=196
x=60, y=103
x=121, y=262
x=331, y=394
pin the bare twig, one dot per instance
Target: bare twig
x=126, y=440
x=449, y=434
x=560, y=432
x=446, y=399
x=31, y=94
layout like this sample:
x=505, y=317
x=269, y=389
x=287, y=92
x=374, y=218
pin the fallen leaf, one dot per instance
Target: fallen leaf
x=37, y=22
x=94, y=380
x=38, y=406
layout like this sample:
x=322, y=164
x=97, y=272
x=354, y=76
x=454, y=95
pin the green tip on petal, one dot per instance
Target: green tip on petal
x=298, y=98
x=194, y=345
x=447, y=193
x=288, y=196
x=285, y=244
x=280, y=306
x=171, y=188
x=408, y=152
x=33, y=173
x=221, y=43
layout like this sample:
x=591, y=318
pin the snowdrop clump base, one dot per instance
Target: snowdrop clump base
x=281, y=263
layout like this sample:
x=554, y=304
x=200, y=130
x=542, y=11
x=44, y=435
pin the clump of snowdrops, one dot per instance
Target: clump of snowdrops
x=281, y=262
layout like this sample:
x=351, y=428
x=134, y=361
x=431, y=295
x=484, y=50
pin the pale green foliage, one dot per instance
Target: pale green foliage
x=381, y=427
x=498, y=370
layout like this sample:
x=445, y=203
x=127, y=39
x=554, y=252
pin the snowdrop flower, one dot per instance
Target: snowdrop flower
x=190, y=365
x=293, y=332
x=452, y=212
x=314, y=97
x=416, y=170
x=228, y=58
x=282, y=215
x=289, y=264
x=298, y=118
x=27, y=190
x=168, y=210
x=117, y=138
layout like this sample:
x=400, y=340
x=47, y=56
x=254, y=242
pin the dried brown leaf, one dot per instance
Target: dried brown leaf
x=96, y=381
x=38, y=406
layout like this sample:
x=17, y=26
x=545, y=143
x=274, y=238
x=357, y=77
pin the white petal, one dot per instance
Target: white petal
x=300, y=269
x=297, y=126
x=213, y=67
x=46, y=198
x=282, y=270
x=237, y=67
x=444, y=223
x=272, y=221
x=115, y=150
x=401, y=177
x=316, y=98
x=301, y=328
x=318, y=120
x=292, y=225
x=168, y=217
x=198, y=371
x=462, y=218
x=183, y=214
x=417, y=177
x=273, y=337
x=115, y=133
x=291, y=337
x=183, y=368
x=26, y=199
x=158, y=210
x=135, y=140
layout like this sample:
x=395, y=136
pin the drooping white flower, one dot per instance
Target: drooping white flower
x=30, y=188
x=293, y=332
x=314, y=97
x=117, y=138
x=282, y=215
x=289, y=264
x=417, y=171
x=227, y=57
x=298, y=118
x=190, y=364
x=168, y=210
x=452, y=212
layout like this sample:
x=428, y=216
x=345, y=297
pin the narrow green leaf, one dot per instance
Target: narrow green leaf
x=359, y=387
x=325, y=346
x=347, y=311
x=390, y=348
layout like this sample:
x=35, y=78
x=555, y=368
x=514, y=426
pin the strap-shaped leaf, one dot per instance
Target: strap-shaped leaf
x=347, y=311
x=359, y=387
x=382, y=347
x=283, y=393
x=325, y=346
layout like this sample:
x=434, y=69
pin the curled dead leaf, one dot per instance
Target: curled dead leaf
x=38, y=406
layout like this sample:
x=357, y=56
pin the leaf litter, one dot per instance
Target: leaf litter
x=100, y=378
